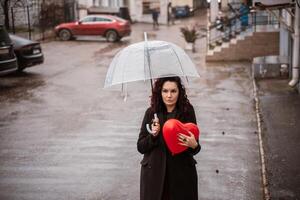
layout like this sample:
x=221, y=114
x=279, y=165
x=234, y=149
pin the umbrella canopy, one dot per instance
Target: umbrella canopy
x=149, y=60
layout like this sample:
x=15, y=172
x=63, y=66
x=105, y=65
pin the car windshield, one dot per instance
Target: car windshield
x=181, y=8
x=4, y=38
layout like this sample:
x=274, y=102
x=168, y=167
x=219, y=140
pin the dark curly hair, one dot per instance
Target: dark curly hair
x=157, y=104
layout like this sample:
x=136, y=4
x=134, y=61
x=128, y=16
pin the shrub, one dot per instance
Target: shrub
x=190, y=34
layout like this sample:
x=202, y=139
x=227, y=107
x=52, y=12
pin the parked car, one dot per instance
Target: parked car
x=28, y=52
x=182, y=11
x=8, y=60
x=111, y=27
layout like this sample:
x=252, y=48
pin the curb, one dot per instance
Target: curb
x=266, y=193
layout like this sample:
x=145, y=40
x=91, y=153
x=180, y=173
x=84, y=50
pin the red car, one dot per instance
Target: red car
x=111, y=27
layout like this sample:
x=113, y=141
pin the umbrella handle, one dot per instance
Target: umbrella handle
x=148, y=126
x=149, y=130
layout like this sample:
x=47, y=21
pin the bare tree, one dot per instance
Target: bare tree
x=5, y=6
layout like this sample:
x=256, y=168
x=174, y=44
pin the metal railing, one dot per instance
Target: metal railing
x=226, y=28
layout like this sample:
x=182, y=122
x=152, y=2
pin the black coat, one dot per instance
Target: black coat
x=158, y=163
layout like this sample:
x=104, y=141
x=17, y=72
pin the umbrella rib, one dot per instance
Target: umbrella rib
x=115, y=64
x=149, y=63
x=145, y=60
x=179, y=63
x=123, y=71
x=149, y=66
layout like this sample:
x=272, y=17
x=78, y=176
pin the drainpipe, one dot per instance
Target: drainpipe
x=295, y=64
x=214, y=10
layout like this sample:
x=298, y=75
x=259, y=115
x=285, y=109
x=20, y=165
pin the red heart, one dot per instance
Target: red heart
x=170, y=132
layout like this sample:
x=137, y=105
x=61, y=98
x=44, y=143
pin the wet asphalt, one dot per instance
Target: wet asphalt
x=280, y=109
x=62, y=136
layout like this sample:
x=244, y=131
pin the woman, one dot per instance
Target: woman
x=164, y=176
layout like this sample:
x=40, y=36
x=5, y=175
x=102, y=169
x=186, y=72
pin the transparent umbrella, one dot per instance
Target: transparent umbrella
x=149, y=60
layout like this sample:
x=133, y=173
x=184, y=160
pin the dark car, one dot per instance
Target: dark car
x=28, y=52
x=8, y=61
x=111, y=27
x=182, y=11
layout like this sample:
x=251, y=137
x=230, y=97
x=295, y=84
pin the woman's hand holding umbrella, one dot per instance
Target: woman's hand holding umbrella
x=155, y=127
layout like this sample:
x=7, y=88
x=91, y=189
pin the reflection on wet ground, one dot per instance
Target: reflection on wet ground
x=72, y=139
x=280, y=111
x=18, y=86
x=112, y=46
x=108, y=52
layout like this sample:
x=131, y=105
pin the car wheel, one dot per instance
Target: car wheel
x=20, y=69
x=112, y=36
x=65, y=34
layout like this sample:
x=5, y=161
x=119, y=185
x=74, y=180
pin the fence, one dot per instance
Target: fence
x=36, y=19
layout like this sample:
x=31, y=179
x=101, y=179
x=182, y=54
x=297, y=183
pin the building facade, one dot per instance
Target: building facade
x=140, y=10
x=194, y=4
x=85, y=5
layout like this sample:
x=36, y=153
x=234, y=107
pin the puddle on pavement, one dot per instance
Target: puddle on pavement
x=16, y=87
x=278, y=87
x=112, y=46
x=124, y=43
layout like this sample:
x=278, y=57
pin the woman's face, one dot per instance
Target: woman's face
x=170, y=93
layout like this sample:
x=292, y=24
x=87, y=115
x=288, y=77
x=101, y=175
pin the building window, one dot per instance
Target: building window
x=149, y=5
x=146, y=8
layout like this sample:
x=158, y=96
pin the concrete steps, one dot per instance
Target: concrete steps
x=246, y=46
